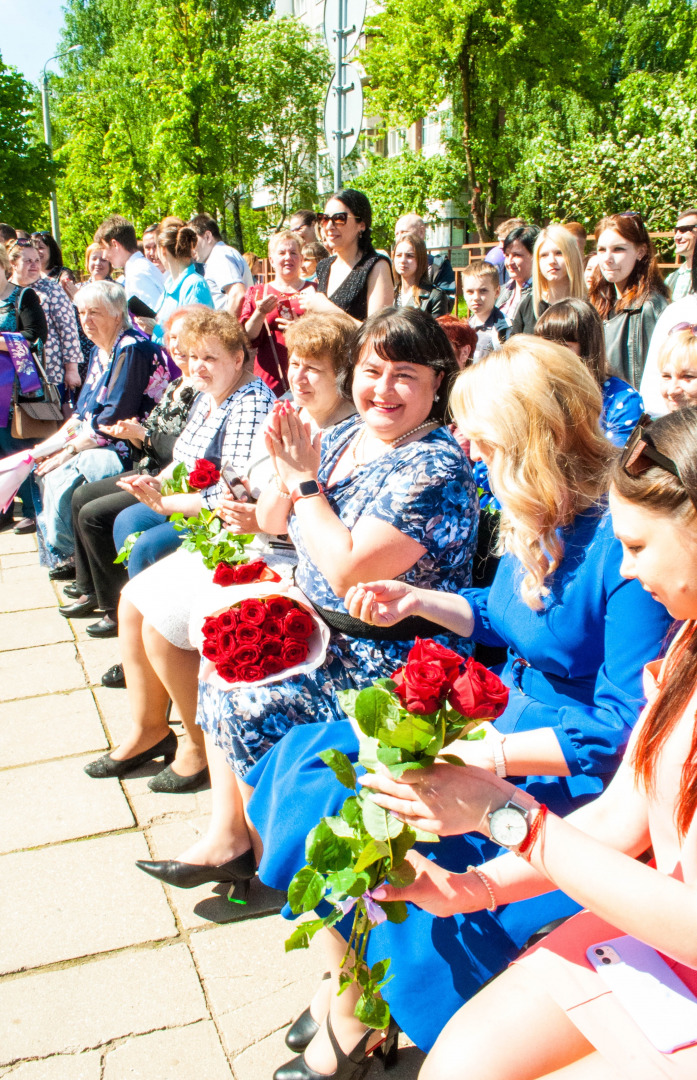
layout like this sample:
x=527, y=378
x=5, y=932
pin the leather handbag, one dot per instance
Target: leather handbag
x=36, y=417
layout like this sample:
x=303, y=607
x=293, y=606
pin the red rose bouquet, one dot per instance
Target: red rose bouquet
x=204, y=474
x=405, y=722
x=267, y=632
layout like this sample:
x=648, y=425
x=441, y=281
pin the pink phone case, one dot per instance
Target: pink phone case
x=649, y=990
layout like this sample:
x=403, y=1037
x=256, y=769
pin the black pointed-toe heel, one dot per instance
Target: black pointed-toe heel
x=189, y=875
x=109, y=766
x=303, y=1030
x=351, y=1066
x=238, y=893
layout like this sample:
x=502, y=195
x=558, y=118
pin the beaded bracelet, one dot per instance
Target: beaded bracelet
x=487, y=885
x=279, y=484
x=530, y=840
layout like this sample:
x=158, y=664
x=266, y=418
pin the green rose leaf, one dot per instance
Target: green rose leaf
x=378, y=822
x=402, y=876
x=401, y=845
x=372, y=1011
x=372, y=853
x=389, y=755
x=305, y=890
x=422, y=837
x=326, y=851
x=342, y=881
x=379, y=970
x=406, y=766
x=340, y=827
x=347, y=700
x=351, y=812
x=412, y=733
x=396, y=910
x=374, y=706
x=341, y=767
x=453, y=760
x=303, y=934
x=368, y=753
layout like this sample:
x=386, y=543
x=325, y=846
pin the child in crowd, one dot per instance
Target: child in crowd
x=312, y=254
x=677, y=363
x=480, y=286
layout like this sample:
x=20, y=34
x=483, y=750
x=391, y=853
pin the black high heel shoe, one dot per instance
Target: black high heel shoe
x=239, y=872
x=109, y=766
x=303, y=1030
x=351, y=1066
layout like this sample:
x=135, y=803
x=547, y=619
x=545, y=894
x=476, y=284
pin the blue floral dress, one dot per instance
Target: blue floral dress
x=426, y=491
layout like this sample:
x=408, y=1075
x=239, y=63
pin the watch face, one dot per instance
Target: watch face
x=508, y=826
x=308, y=487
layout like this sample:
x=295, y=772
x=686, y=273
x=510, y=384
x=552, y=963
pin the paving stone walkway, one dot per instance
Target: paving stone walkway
x=106, y=974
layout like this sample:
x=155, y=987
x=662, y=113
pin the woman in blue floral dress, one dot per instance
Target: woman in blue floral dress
x=389, y=489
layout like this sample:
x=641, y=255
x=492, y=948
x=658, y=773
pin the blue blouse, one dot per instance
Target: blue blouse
x=189, y=288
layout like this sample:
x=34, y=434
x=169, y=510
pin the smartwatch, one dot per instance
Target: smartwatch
x=510, y=824
x=306, y=489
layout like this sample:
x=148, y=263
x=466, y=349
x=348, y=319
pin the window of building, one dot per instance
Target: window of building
x=396, y=141
x=430, y=130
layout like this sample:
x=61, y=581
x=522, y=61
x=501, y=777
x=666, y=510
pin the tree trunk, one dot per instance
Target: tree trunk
x=237, y=220
x=476, y=207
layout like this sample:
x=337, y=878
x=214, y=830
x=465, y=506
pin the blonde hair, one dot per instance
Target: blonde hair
x=680, y=348
x=572, y=258
x=482, y=269
x=279, y=238
x=5, y=261
x=537, y=408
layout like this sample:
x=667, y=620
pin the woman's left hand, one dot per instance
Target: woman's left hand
x=434, y=889
x=54, y=462
x=296, y=455
x=239, y=517
x=145, y=491
x=125, y=429
x=71, y=377
x=315, y=303
x=444, y=799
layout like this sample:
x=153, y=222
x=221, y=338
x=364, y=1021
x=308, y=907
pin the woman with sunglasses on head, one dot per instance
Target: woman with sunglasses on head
x=627, y=291
x=355, y=279
x=560, y=606
x=560, y=1016
x=576, y=324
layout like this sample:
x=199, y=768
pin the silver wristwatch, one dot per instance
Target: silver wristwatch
x=510, y=824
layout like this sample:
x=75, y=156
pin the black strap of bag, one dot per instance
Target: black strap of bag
x=407, y=630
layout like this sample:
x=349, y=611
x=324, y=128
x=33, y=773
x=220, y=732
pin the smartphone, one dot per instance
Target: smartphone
x=649, y=990
x=234, y=484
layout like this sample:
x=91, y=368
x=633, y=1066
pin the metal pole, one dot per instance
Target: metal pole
x=339, y=92
x=53, y=206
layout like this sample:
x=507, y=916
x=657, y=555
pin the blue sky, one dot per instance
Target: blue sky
x=29, y=33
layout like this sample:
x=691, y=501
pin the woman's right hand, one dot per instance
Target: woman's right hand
x=382, y=603
x=266, y=305
x=436, y=890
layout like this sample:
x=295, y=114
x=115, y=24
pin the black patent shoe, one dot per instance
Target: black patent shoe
x=351, y=1066
x=106, y=627
x=62, y=573
x=238, y=872
x=108, y=766
x=303, y=1030
x=84, y=605
x=171, y=782
x=114, y=677
x=73, y=591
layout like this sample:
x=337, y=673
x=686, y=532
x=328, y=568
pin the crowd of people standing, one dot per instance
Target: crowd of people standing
x=522, y=480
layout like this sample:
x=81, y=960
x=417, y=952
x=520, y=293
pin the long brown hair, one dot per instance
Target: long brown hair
x=644, y=279
x=674, y=435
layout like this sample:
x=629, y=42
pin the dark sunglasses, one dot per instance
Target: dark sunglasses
x=630, y=213
x=679, y=327
x=336, y=219
x=684, y=228
x=640, y=454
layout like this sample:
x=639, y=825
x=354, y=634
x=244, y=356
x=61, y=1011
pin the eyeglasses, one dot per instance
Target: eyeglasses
x=630, y=213
x=640, y=454
x=336, y=219
x=679, y=327
x=684, y=229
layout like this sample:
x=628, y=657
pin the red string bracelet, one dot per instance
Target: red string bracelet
x=528, y=844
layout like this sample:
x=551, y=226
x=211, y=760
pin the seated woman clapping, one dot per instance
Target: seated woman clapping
x=389, y=488
x=560, y=606
x=559, y=1015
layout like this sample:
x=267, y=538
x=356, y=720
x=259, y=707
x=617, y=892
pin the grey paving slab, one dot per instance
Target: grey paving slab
x=62, y=1067
x=55, y=726
x=24, y=558
x=187, y=1053
x=150, y=806
x=87, y=1005
x=52, y=801
x=76, y=900
x=97, y=654
x=10, y=544
x=29, y=629
x=29, y=672
x=18, y=595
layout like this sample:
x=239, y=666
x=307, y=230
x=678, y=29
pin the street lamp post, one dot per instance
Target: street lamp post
x=45, y=108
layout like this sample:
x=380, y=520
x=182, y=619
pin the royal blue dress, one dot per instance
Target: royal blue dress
x=576, y=667
x=426, y=491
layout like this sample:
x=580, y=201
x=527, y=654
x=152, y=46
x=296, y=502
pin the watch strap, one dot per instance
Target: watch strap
x=307, y=489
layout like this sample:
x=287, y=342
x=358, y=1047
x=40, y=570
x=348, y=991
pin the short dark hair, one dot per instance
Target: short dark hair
x=525, y=235
x=411, y=336
x=359, y=205
x=686, y=213
x=577, y=321
x=7, y=232
x=119, y=229
x=55, y=255
x=315, y=250
x=203, y=223
x=308, y=217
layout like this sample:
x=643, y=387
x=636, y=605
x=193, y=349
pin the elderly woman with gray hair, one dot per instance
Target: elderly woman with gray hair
x=126, y=377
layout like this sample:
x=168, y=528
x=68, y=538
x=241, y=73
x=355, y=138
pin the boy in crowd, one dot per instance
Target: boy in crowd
x=480, y=286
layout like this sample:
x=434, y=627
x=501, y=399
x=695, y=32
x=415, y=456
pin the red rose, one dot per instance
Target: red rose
x=225, y=574
x=250, y=673
x=478, y=692
x=252, y=611
x=273, y=628
x=273, y=665
x=226, y=644
x=294, y=651
x=246, y=573
x=421, y=685
x=279, y=606
x=203, y=474
x=247, y=634
x=210, y=628
x=431, y=652
x=210, y=650
x=227, y=671
x=247, y=654
x=228, y=620
x=271, y=646
x=298, y=624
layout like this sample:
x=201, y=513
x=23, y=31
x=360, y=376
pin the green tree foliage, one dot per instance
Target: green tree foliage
x=176, y=106
x=26, y=170
x=409, y=183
